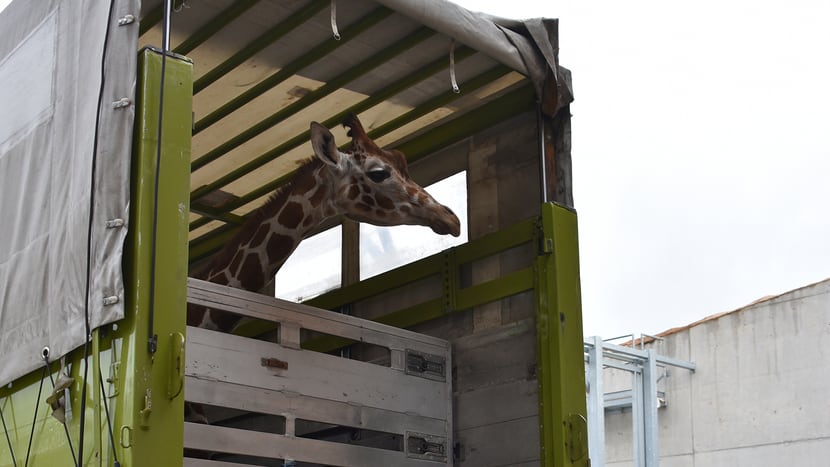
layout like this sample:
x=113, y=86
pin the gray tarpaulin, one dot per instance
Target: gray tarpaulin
x=522, y=45
x=51, y=100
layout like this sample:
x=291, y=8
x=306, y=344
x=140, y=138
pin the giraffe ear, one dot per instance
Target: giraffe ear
x=323, y=143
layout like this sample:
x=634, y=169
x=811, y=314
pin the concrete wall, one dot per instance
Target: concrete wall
x=760, y=395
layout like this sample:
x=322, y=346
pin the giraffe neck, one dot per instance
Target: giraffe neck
x=269, y=236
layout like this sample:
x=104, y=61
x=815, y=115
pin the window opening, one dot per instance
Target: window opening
x=313, y=268
x=386, y=248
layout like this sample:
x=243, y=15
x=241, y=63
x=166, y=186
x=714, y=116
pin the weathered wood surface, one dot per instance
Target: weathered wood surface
x=307, y=388
x=268, y=445
x=259, y=306
x=299, y=406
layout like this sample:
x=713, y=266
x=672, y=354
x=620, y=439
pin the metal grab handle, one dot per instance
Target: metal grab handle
x=175, y=383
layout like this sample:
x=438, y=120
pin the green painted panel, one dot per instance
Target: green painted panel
x=149, y=425
x=561, y=371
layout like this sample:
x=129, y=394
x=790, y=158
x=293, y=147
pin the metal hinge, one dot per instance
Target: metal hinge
x=424, y=446
x=458, y=451
x=426, y=365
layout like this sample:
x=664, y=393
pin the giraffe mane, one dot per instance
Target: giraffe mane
x=255, y=217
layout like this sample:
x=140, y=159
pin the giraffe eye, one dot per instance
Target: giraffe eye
x=378, y=175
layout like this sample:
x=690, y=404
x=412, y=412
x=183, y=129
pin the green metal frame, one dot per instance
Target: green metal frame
x=142, y=390
x=561, y=368
x=150, y=425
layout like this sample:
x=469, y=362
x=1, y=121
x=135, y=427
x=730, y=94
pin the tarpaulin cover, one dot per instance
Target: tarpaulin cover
x=67, y=83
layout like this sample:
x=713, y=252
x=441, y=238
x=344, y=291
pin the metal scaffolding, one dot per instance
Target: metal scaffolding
x=647, y=368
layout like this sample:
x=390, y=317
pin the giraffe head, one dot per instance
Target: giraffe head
x=373, y=185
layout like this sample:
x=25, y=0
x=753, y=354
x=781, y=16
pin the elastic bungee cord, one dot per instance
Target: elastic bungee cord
x=87, y=331
x=8, y=439
x=45, y=355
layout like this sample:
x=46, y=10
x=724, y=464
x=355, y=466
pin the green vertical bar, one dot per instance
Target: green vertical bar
x=561, y=370
x=142, y=437
x=149, y=425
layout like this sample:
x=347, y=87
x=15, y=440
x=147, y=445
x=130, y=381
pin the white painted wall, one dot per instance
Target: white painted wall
x=760, y=396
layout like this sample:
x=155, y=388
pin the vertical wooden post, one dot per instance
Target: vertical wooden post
x=350, y=262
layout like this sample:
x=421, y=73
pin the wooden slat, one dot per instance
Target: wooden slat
x=271, y=309
x=304, y=407
x=268, y=445
x=225, y=357
x=191, y=462
x=497, y=404
x=510, y=443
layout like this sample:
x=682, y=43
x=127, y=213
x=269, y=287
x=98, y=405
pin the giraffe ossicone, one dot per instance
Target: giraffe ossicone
x=363, y=182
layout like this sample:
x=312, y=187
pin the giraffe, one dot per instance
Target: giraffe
x=365, y=183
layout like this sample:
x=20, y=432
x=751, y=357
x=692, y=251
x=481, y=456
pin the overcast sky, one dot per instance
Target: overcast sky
x=701, y=149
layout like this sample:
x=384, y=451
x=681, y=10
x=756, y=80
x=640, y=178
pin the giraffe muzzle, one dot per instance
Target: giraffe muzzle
x=446, y=223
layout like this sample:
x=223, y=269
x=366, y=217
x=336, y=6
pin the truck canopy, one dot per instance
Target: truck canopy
x=263, y=70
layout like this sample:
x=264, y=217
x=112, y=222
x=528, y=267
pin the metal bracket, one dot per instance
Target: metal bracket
x=112, y=379
x=449, y=281
x=424, y=446
x=458, y=452
x=577, y=433
x=426, y=365
x=144, y=414
x=544, y=243
x=126, y=19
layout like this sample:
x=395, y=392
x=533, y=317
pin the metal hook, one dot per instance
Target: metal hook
x=455, y=88
x=181, y=7
x=334, y=30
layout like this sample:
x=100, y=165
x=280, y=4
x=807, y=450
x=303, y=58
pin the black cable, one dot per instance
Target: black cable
x=109, y=423
x=87, y=331
x=8, y=439
x=152, y=339
x=34, y=417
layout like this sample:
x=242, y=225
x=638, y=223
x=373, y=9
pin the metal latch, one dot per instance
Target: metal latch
x=423, y=446
x=274, y=363
x=426, y=365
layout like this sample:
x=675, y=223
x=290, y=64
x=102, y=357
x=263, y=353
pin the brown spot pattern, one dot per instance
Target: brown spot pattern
x=303, y=185
x=279, y=247
x=250, y=275
x=318, y=195
x=237, y=258
x=291, y=215
x=259, y=237
x=367, y=200
x=384, y=202
x=354, y=192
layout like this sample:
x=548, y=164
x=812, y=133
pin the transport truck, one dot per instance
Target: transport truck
x=135, y=140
